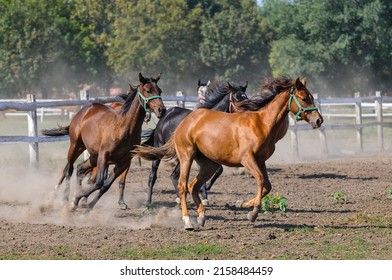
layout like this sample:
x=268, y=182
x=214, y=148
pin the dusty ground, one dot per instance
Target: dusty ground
x=337, y=209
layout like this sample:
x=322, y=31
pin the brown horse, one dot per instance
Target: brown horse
x=246, y=139
x=109, y=135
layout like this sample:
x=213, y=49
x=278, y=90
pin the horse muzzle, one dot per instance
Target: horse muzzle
x=315, y=119
x=160, y=111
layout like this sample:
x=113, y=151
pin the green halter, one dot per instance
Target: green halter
x=145, y=99
x=300, y=108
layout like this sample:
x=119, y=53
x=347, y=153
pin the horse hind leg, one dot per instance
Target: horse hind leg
x=152, y=179
x=207, y=186
x=207, y=170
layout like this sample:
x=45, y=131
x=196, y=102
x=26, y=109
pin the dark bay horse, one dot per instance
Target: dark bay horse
x=248, y=139
x=223, y=96
x=109, y=135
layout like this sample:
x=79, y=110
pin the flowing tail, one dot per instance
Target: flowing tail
x=60, y=131
x=166, y=152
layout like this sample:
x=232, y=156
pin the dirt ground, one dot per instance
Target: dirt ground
x=337, y=209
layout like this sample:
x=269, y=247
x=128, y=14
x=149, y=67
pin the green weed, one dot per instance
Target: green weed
x=338, y=197
x=270, y=204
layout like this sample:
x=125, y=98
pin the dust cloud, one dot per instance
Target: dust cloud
x=28, y=195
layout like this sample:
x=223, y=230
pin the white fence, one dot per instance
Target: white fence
x=364, y=111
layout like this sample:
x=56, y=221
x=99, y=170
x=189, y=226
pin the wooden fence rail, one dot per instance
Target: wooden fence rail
x=333, y=110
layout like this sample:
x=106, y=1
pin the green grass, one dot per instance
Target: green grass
x=181, y=251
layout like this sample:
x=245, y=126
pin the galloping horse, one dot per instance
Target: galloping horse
x=216, y=96
x=248, y=139
x=109, y=135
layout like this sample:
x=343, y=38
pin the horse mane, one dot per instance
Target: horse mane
x=216, y=91
x=128, y=100
x=272, y=87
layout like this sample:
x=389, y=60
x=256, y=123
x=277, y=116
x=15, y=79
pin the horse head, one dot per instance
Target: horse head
x=149, y=95
x=236, y=95
x=202, y=89
x=301, y=104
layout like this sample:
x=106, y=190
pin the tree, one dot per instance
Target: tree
x=235, y=41
x=28, y=44
x=344, y=46
x=156, y=36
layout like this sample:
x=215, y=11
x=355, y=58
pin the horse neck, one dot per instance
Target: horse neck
x=222, y=105
x=132, y=119
x=277, y=110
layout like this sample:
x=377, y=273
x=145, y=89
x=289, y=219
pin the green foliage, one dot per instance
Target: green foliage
x=270, y=204
x=343, y=45
x=233, y=44
x=156, y=37
x=339, y=197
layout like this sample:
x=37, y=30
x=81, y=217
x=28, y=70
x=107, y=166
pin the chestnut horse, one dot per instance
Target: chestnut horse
x=248, y=139
x=109, y=135
x=221, y=96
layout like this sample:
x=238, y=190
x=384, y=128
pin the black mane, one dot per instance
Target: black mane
x=216, y=92
x=267, y=93
x=128, y=99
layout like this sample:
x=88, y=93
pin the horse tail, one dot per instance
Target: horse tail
x=149, y=134
x=59, y=131
x=166, y=152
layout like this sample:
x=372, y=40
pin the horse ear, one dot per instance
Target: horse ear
x=298, y=84
x=158, y=77
x=142, y=80
x=304, y=81
x=230, y=86
x=208, y=83
x=245, y=86
x=131, y=88
x=199, y=83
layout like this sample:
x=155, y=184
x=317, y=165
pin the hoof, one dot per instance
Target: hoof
x=205, y=202
x=83, y=202
x=188, y=224
x=122, y=206
x=252, y=216
x=239, y=203
x=73, y=207
x=201, y=220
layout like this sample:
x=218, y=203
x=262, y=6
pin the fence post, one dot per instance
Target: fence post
x=33, y=131
x=180, y=103
x=358, y=121
x=379, y=116
x=84, y=95
x=323, y=137
x=294, y=136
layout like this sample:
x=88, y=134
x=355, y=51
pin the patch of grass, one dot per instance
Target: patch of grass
x=301, y=229
x=389, y=193
x=194, y=251
x=338, y=197
x=372, y=220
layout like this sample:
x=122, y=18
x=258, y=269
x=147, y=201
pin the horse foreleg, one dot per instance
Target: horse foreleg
x=117, y=171
x=174, y=178
x=121, y=186
x=259, y=172
x=152, y=179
